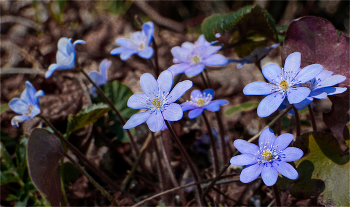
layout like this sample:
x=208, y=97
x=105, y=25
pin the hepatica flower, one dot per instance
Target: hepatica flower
x=100, y=78
x=200, y=101
x=157, y=100
x=267, y=159
x=27, y=105
x=284, y=83
x=193, y=58
x=139, y=43
x=65, y=55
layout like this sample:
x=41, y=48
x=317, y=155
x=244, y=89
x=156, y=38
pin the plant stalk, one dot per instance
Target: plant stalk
x=297, y=120
x=312, y=117
x=277, y=195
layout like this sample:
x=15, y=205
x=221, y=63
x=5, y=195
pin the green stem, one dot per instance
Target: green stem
x=204, y=81
x=92, y=181
x=222, y=136
x=312, y=117
x=64, y=196
x=297, y=120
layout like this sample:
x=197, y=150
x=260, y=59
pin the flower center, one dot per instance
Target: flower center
x=29, y=112
x=200, y=102
x=142, y=46
x=195, y=59
x=157, y=103
x=267, y=155
x=284, y=85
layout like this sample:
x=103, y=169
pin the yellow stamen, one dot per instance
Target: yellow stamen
x=195, y=59
x=142, y=46
x=156, y=103
x=284, y=84
x=267, y=155
x=200, y=102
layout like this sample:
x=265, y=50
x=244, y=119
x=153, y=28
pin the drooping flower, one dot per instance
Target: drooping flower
x=267, y=159
x=200, y=101
x=100, y=78
x=193, y=58
x=157, y=100
x=27, y=105
x=65, y=55
x=139, y=43
x=284, y=83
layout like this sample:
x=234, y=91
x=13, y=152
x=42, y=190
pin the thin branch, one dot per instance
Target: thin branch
x=297, y=120
x=312, y=117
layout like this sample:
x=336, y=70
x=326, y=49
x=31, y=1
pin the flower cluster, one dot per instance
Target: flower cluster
x=100, y=78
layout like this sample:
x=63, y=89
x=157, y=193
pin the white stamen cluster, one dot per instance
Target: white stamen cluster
x=159, y=101
x=284, y=82
x=312, y=84
x=267, y=153
x=201, y=100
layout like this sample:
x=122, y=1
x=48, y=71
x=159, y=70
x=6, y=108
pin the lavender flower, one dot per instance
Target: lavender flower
x=269, y=159
x=27, y=105
x=284, y=83
x=65, y=55
x=200, y=101
x=157, y=100
x=139, y=43
x=194, y=57
x=100, y=78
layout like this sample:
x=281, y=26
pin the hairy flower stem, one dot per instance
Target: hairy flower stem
x=132, y=139
x=297, y=120
x=312, y=117
x=80, y=155
x=250, y=140
x=189, y=162
x=277, y=195
x=92, y=181
x=64, y=195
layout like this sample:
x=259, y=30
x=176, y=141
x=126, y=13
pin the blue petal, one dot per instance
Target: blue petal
x=104, y=65
x=173, y=112
x=283, y=141
x=78, y=42
x=138, y=37
x=243, y=159
x=137, y=119
x=195, y=113
x=285, y=169
x=251, y=172
x=179, y=90
x=201, y=41
x=65, y=46
x=126, y=54
x=309, y=72
x=165, y=82
x=212, y=106
x=19, y=106
x=319, y=93
x=52, y=68
x=65, y=61
x=269, y=175
x=18, y=119
x=187, y=106
x=211, y=50
x=139, y=101
x=220, y=102
x=195, y=94
x=291, y=154
x=37, y=96
x=146, y=53
x=35, y=111
x=208, y=91
x=126, y=43
x=215, y=60
x=148, y=29
x=188, y=45
x=270, y=104
x=303, y=103
x=194, y=70
x=296, y=95
x=337, y=90
x=323, y=75
x=267, y=137
x=156, y=121
x=292, y=63
x=117, y=51
x=272, y=72
x=28, y=95
x=258, y=88
x=149, y=85
x=245, y=147
x=331, y=81
x=97, y=78
x=179, y=68
x=180, y=54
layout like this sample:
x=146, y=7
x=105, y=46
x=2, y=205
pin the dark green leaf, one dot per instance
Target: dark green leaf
x=247, y=106
x=44, y=151
x=3, y=108
x=6, y=161
x=70, y=173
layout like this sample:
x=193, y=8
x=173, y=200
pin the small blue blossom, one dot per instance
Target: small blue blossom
x=284, y=83
x=157, y=100
x=139, y=43
x=267, y=159
x=65, y=55
x=200, y=101
x=100, y=78
x=194, y=57
x=27, y=105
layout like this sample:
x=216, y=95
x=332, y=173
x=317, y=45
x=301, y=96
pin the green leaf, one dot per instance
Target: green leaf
x=86, y=116
x=44, y=151
x=3, y=108
x=70, y=173
x=247, y=19
x=247, y=106
x=6, y=161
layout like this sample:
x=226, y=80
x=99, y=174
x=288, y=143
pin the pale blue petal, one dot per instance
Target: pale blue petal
x=139, y=101
x=148, y=29
x=201, y=41
x=269, y=175
x=65, y=61
x=52, y=68
x=319, y=93
x=272, y=72
x=117, y=51
x=212, y=106
x=35, y=111
x=211, y=50
x=137, y=37
x=126, y=54
x=296, y=95
x=245, y=147
x=179, y=68
x=220, y=102
x=337, y=90
x=291, y=154
x=78, y=42
x=195, y=94
x=285, y=169
x=194, y=70
x=188, y=45
x=104, y=65
x=258, y=88
x=331, y=81
x=323, y=75
x=251, y=172
x=126, y=43
x=156, y=121
x=309, y=72
x=65, y=46
x=292, y=63
x=173, y=112
x=270, y=104
x=267, y=137
x=179, y=90
x=97, y=78
x=180, y=54
x=215, y=60
x=243, y=159
x=137, y=119
x=146, y=53
x=283, y=141
x=18, y=119
x=208, y=91
x=28, y=95
x=195, y=113
x=37, y=95
x=149, y=85
x=19, y=106
x=304, y=103
x=187, y=106
x=165, y=82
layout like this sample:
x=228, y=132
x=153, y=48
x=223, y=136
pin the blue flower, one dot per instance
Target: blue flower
x=200, y=101
x=284, y=83
x=139, y=43
x=27, y=105
x=100, y=78
x=157, y=100
x=269, y=159
x=65, y=55
x=194, y=57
